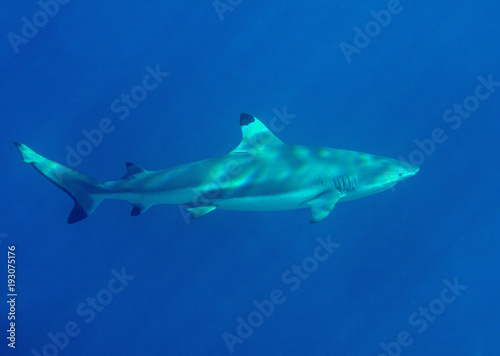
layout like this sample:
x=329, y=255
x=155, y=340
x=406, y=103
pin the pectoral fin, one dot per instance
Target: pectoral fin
x=323, y=204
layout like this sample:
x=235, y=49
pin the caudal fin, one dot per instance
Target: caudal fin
x=85, y=191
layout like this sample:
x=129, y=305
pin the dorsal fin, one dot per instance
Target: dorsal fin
x=132, y=169
x=255, y=135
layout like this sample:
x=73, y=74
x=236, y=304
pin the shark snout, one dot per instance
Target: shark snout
x=414, y=170
x=408, y=170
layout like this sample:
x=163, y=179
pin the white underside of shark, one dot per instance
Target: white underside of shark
x=262, y=173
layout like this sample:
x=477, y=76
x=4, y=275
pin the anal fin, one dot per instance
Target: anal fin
x=138, y=210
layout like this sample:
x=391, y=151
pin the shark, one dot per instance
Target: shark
x=261, y=174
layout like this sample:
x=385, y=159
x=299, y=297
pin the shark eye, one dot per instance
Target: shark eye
x=401, y=173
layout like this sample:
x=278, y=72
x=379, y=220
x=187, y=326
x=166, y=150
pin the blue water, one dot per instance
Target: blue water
x=414, y=270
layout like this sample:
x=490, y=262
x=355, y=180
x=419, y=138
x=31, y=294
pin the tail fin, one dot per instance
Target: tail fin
x=85, y=191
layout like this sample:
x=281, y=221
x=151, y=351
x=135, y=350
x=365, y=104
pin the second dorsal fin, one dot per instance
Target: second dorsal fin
x=132, y=169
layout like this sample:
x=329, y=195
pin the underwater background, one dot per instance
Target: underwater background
x=415, y=269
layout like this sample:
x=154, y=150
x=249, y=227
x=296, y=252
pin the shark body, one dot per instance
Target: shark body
x=261, y=173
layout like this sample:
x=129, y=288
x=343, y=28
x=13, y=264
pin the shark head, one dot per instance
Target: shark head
x=387, y=172
x=407, y=170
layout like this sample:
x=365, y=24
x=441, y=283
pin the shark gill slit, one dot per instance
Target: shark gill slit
x=345, y=183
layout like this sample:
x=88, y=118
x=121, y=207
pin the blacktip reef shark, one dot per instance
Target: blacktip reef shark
x=261, y=173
